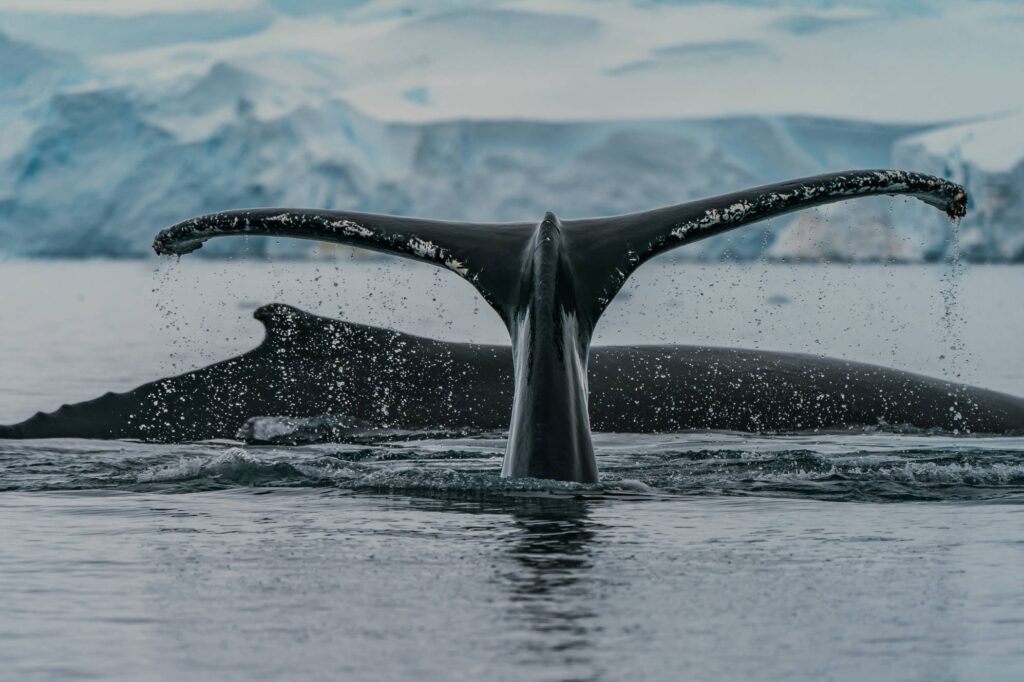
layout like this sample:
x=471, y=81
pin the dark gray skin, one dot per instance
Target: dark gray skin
x=550, y=282
x=309, y=366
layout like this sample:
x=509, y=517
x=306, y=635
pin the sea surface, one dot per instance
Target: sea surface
x=698, y=556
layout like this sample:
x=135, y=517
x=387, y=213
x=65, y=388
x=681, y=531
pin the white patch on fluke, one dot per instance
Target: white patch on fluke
x=351, y=228
x=423, y=247
x=456, y=265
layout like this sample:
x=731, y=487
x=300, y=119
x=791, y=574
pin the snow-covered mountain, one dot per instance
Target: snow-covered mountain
x=123, y=121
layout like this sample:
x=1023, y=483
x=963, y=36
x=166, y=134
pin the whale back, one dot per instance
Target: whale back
x=311, y=366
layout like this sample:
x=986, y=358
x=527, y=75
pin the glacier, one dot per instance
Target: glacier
x=121, y=124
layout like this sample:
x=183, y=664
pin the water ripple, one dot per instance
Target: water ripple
x=868, y=467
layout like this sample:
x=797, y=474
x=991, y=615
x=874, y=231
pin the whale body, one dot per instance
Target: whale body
x=379, y=379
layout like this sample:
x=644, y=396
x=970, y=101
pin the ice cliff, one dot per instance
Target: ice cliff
x=118, y=126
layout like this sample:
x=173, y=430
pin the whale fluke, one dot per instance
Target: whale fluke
x=550, y=281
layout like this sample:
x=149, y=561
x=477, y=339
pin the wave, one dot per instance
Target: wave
x=871, y=467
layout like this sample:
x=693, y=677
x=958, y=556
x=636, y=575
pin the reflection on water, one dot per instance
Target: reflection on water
x=549, y=589
x=699, y=555
x=320, y=583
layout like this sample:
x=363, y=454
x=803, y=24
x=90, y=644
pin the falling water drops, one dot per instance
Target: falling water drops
x=952, y=309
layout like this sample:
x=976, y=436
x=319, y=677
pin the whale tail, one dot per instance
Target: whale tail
x=551, y=281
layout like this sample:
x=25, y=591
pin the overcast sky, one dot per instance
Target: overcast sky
x=565, y=59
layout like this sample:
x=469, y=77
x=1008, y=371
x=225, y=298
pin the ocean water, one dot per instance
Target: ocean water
x=705, y=556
